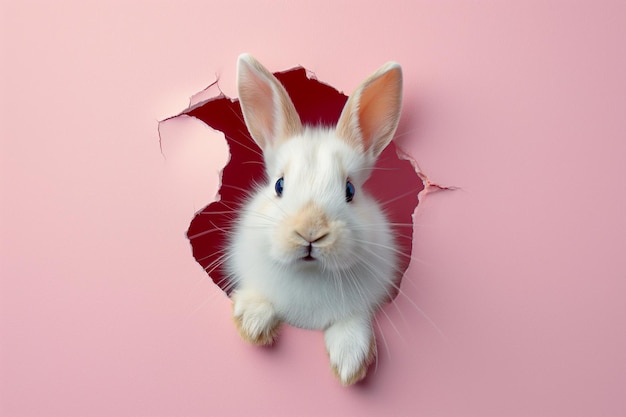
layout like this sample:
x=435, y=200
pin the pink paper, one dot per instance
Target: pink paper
x=104, y=312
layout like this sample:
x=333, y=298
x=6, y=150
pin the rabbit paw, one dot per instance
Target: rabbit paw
x=352, y=349
x=255, y=318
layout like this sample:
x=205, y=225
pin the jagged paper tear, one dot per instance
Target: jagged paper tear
x=394, y=182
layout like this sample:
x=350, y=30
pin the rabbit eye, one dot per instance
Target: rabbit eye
x=349, y=191
x=279, y=186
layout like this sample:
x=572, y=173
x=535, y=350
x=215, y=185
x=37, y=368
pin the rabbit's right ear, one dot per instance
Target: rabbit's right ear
x=267, y=109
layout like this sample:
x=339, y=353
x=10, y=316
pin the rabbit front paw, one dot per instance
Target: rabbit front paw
x=255, y=318
x=351, y=347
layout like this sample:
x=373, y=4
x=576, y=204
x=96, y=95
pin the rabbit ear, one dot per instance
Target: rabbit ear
x=267, y=109
x=371, y=115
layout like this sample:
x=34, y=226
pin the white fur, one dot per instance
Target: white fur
x=355, y=262
x=354, y=278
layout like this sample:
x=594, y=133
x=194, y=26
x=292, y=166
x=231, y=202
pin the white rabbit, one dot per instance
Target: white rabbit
x=310, y=247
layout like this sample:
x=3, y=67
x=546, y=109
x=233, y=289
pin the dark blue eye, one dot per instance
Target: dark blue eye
x=279, y=186
x=349, y=191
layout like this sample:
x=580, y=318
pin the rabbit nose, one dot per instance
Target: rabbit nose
x=310, y=224
x=313, y=236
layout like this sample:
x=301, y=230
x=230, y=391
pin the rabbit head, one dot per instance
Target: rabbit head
x=313, y=211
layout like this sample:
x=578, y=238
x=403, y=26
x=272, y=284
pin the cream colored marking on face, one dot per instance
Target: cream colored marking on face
x=310, y=223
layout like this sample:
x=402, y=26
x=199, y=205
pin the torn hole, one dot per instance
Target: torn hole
x=395, y=183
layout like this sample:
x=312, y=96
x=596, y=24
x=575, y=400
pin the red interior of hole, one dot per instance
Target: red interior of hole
x=394, y=182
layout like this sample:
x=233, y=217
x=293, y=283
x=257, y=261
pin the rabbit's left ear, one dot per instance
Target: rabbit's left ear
x=267, y=109
x=371, y=115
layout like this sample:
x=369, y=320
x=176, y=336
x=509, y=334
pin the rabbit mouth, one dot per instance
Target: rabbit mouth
x=309, y=254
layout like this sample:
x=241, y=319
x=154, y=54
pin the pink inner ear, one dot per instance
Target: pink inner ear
x=394, y=182
x=379, y=109
x=258, y=98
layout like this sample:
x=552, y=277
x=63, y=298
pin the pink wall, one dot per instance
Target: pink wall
x=104, y=311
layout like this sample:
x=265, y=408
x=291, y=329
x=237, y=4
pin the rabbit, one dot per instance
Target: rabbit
x=310, y=248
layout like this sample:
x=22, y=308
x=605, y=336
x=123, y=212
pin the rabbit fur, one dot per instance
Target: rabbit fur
x=310, y=247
